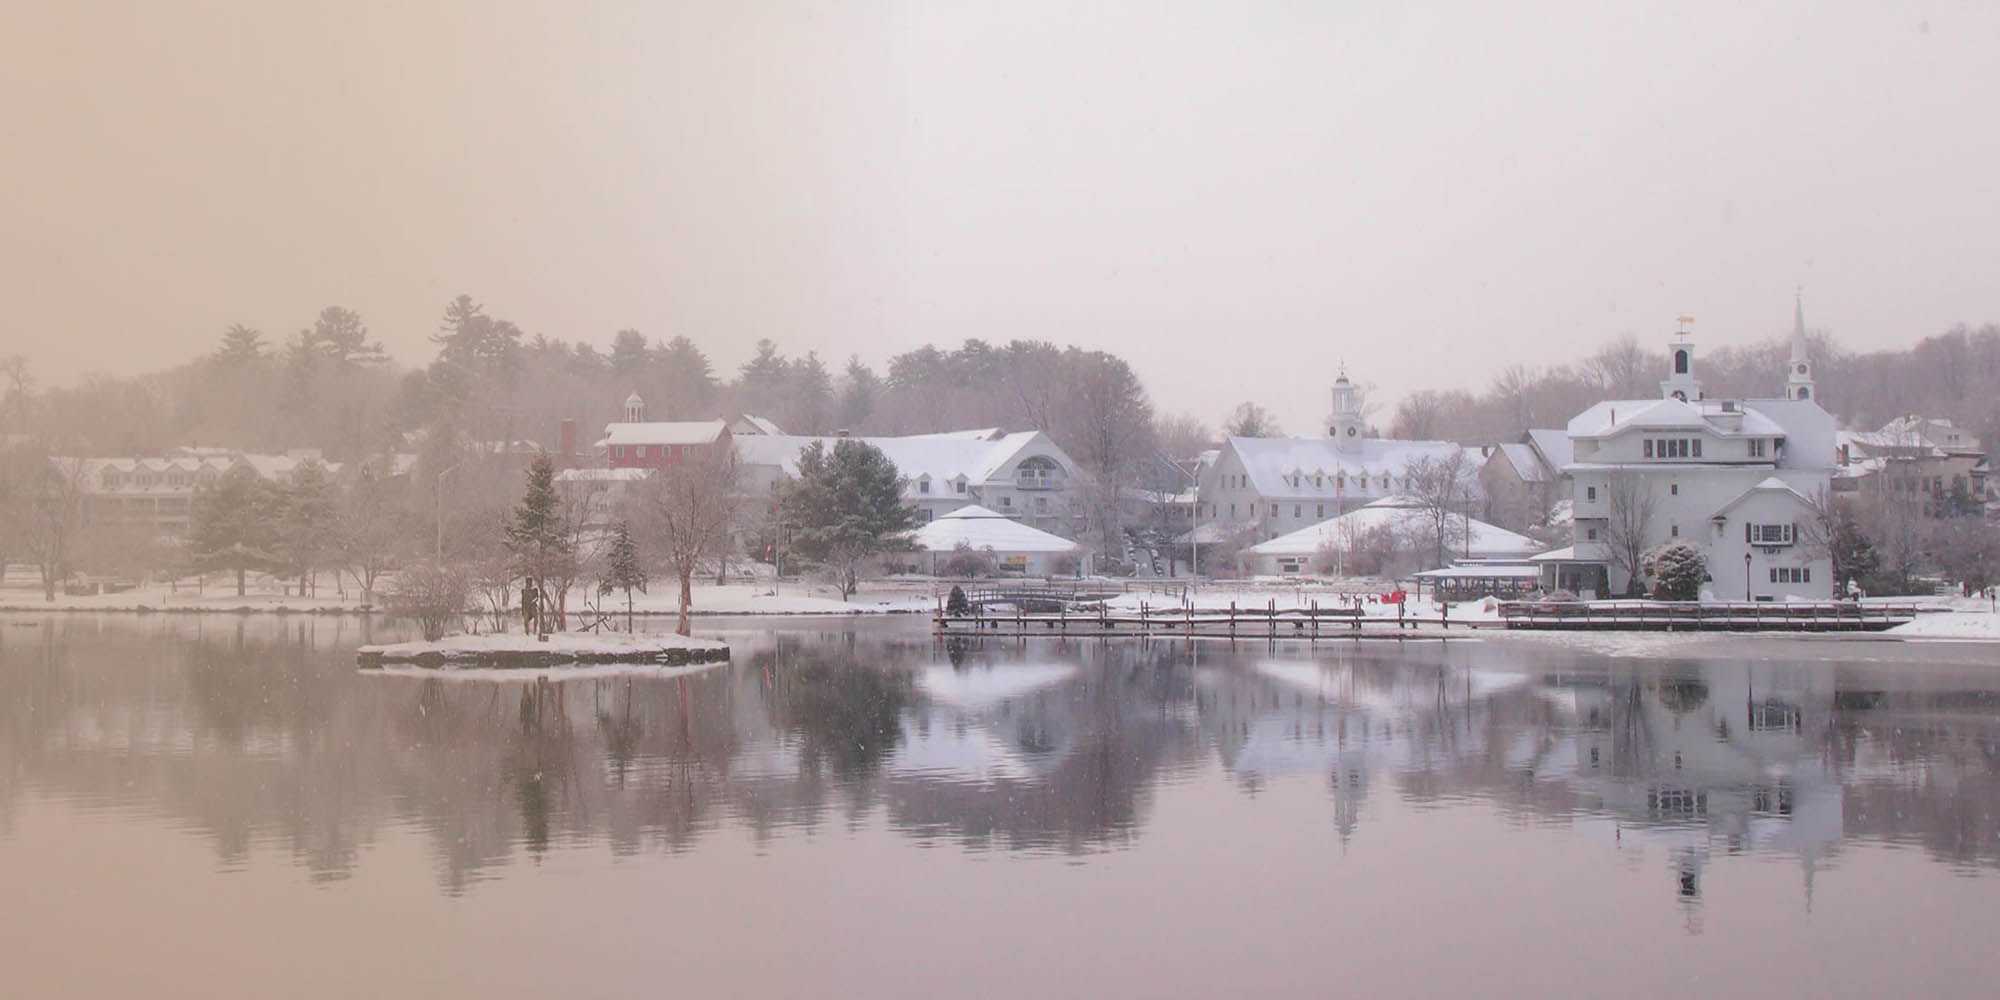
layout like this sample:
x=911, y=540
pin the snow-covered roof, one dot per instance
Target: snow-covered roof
x=1771, y=484
x=1396, y=513
x=1554, y=445
x=1526, y=464
x=1613, y=416
x=1316, y=463
x=1565, y=554
x=153, y=474
x=760, y=425
x=977, y=456
x=1488, y=570
x=980, y=528
x=682, y=432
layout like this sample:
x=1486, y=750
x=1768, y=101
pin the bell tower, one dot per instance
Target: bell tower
x=635, y=409
x=1680, y=382
x=1798, y=370
x=1345, y=428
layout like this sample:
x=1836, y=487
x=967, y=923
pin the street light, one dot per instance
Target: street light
x=440, y=509
x=1746, y=577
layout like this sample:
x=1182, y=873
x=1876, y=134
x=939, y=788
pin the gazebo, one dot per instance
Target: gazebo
x=1015, y=546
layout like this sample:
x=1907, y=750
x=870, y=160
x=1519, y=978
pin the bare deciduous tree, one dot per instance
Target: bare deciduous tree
x=53, y=511
x=1442, y=488
x=689, y=508
x=1632, y=503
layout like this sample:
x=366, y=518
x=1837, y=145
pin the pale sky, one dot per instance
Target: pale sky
x=1237, y=196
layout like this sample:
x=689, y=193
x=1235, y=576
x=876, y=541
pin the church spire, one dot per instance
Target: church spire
x=1798, y=370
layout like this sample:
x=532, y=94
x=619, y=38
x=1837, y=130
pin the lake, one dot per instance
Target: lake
x=225, y=806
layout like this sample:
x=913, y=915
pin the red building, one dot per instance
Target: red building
x=636, y=443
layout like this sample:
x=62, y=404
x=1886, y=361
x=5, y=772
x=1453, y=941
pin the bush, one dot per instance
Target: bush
x=955, y=602
x=433, y=594
x=969, y=563
x=1678, y=569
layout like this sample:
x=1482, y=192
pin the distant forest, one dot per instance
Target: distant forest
x=330, y=386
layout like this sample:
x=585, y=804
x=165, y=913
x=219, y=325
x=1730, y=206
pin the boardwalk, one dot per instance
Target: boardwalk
x=1663, y=616
x=1271, y=621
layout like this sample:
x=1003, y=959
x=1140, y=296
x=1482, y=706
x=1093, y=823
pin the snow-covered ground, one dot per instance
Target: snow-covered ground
x=1969, y=618
x=559, y=647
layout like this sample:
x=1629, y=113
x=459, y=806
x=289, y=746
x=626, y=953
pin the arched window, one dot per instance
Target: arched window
x=1680, y=362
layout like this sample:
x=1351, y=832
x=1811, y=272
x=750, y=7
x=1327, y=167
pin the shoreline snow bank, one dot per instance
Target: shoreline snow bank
x=1962, y=623
x=513, y=650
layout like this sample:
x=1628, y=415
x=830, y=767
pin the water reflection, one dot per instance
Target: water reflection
x=257, y=734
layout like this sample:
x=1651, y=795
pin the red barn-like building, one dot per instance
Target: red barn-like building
x=635, y=443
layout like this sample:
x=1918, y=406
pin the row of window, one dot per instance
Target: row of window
x=146, y=479
x=1298, y=510
x=1298, y=481
x=1673, y=447
x=1791, y=574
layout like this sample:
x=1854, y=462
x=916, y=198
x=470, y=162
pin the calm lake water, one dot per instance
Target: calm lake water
x=215, y=806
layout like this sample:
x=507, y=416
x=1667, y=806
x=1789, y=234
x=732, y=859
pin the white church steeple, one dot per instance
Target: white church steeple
x=1680, y=382
x=1798, y=371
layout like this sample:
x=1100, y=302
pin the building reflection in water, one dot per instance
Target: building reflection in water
x=261, y=735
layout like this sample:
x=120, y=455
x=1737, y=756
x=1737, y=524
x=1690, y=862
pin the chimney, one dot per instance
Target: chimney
x=569, y=440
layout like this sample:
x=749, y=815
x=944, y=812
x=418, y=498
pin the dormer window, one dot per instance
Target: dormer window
x=923, y=484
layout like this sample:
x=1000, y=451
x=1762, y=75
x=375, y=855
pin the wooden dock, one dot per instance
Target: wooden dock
x=1313, y=622
x=1233, y=622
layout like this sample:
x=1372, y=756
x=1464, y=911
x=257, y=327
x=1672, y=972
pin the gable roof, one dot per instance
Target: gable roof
x=1615, y=416
x=1553, y=444
x=980, y=528
x=977, y=456
x=681, y=432
x=1526, y=464
x=1396, y=513
x=1771, y=484
x=1270, y=462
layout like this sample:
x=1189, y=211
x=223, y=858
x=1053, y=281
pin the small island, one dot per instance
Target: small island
x=528, y=651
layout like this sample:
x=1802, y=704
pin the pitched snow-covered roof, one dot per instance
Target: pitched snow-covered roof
x=1526, y=464
x=1613, y=416
x=1273, y=463
x=980, y=528
x=682, y=432
x=1771, y=484
x=603, y=475
x=1396, y=513
x=1554, y=445
x=975, y=456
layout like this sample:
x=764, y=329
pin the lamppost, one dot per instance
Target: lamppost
x=440, y=509
x=1746, y=578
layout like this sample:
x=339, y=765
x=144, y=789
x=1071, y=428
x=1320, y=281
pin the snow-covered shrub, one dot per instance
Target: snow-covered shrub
x=1678, y=569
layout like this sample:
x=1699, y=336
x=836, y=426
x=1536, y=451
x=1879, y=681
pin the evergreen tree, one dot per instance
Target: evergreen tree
x=305, y=523
x=235, y=524
x=622, y=570
x=241, y=345
x=538, y=543
x=849, y=505
x=858, y=397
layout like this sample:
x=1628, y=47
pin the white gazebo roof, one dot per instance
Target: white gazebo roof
x=980, y=528
x=1400, y=514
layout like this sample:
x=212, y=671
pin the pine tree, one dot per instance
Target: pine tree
x=537, y=542
x=622, y=570
x=235, y=524
x=849, y=505
x=305, y=522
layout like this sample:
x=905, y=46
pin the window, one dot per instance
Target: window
x=1006, y=501
x=1756, y=447
x=1791, y=574
x=1590, y=533
x=1674, y=531
x=1674, y=488
x=1319, y=511
x=617, y=451
x=958, y=487
x=1770, y=534
x=1649, y=447
x=924, y=485
x=1274, y=510
x=1232, y=511
x=1590, y=492
x=1298, y=511
x=1672, y=447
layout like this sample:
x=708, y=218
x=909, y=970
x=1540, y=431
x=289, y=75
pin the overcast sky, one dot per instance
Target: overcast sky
x=1237, y=196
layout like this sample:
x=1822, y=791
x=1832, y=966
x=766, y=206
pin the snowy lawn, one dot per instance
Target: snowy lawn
x=1967, y=620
